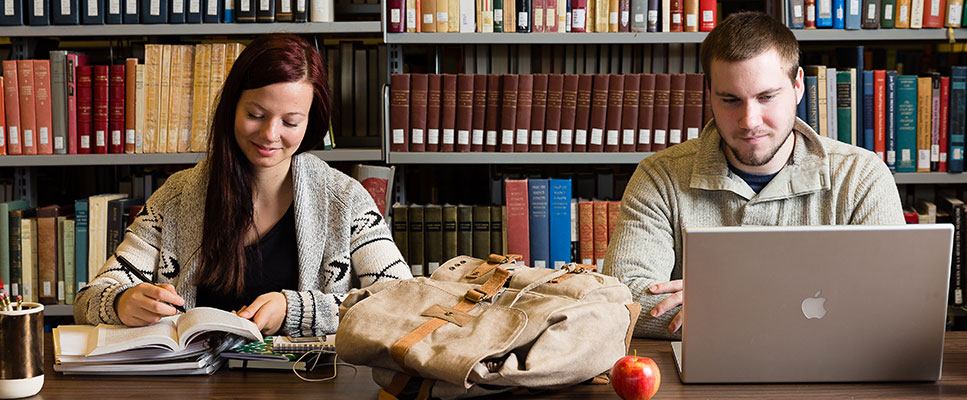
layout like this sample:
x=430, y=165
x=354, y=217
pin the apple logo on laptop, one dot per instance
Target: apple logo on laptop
x=814, y=307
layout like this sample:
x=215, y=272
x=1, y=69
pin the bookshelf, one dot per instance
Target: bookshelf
x=191, y=29
x=164, y=159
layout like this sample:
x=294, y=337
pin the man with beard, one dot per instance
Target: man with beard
x=755, y=163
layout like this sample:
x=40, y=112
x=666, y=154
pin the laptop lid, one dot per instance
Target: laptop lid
x=815, y=304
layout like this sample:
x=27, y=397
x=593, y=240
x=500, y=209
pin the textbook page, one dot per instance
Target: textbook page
x=204, y=319
x=115, y=338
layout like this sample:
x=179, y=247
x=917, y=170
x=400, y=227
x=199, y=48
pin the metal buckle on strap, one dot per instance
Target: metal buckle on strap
x=503, y=259
x=475, y=295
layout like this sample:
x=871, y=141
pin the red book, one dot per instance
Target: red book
x=614, y=208
x=629, y=112
x=508, y=111
x=659, y=123
x=464, y=112
x=586, y=231
x=102, y=106
x=879, y=111
x=491, y=122
x=418, y=111
x=399, y=111
x=811, y=14
x=616, y=85
x=116, y=111
x=582, y=113
x=676, y=109
x=538, y=113
x=434, y=98
x=518, y=217
x=624, y=15
x=677, y=9
x=394, y=16
x=550, y=12
x=579, y=15
x=28, y=104
x=45, y=131
x=944, y=120
x=708, y=16
x=569, y=98
x=130, y=95
x=693, y=106
x=552, y=126
x=525, y=100
x=11, y=100
x=479, y=112
x=73, y=60
x=85, y=107
x=448, y=112
x=3, y=122
x=600, y=232
x=646, y=113
x=933, y=13
x=599, y=113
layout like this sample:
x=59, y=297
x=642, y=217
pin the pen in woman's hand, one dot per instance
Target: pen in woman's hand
x=137, y=273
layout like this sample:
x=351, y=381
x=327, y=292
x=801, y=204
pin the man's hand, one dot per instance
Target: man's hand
x=146, y=304
x=267, y=312
x=675, y=300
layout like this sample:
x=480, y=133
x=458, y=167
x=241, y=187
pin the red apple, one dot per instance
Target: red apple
x=635, y=378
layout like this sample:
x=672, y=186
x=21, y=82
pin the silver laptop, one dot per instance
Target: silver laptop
x=814, y=304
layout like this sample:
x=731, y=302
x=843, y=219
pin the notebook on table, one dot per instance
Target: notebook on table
x=814, y=304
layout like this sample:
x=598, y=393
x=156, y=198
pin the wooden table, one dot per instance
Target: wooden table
x=284, y=385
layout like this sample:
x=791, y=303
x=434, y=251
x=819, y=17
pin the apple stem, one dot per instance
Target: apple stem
x=636, y=353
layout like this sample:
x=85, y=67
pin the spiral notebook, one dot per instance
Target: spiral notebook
x=285, y=344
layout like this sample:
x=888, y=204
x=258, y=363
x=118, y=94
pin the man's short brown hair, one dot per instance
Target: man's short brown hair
x=747, y=34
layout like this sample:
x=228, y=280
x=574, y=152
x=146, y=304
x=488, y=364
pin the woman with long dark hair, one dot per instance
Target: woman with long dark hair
x=260, y=227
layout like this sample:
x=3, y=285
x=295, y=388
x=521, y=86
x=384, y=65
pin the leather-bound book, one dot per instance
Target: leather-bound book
x=101, y=108
x=491, y=122
x=599, y=113
x=659, y=122
x=676, y=109
x=11, y=101
x=418, y=113
x=433, y=236
x=479, y=112
x=28, y=113
x=694, y=102
x=464, y=230
x=42, y=107
x=481, y=231
x=496, y=230
x=116, y=111
x=448, y=112
x=569, y=101
x=464, y=112
x=434, y=98
x=399, y=112
x=582, y=113
x=449, y=232
x=85, y=107
x=538, y=113
x=612, y=138
x=508, y=111
x=415, y=236
x=629, y=112
x=525, y=98
x=552, y=124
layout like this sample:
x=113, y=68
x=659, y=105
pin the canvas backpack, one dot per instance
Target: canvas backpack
x=478, y=327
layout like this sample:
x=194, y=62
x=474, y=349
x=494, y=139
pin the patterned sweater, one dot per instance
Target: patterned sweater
x=343, y=243
x=689, y=185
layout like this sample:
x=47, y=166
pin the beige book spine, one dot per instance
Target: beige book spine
x=590, y=16
x=152, y=94
x=453, y=9
x=602, y=13
x=164, y=77
x=218, y=74
x=174, y=99
x=28, y=273
x=411, y=18
x=442, y=15
x=232, y=50
x=140, y=108
x=187, y=83
x=201, y=97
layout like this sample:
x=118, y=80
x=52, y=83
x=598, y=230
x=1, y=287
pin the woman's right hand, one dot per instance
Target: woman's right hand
x=146, y=304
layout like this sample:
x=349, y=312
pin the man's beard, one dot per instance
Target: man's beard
x=751, y=159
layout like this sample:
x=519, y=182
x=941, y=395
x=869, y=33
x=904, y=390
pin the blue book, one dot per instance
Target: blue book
x=81, y=226
x=824, y=14
x=538, y=202
x=839, y=14
x=853, y=19
x=868, y=117
x=812, y=102
x=858, y=99
x=891, y=120
x=560, y=222
x=801, y=109
x=154, y=15
x=906, y=123
x=5, y=209
x=958, y=123
x=229, y=12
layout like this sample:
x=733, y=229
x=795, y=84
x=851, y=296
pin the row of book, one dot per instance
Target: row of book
x=100, y=12
x=48, y=253
x=64, y=106
x=876, y=14
x=545, y=113
x=541, y=221
x=526, y=16
x=950, y=210
x=914, y=123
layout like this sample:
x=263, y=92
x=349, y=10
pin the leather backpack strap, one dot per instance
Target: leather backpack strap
x=425, y=387
x=575, y=269
x=493, y=261
x=470, y=299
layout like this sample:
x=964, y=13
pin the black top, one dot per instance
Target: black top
x=271, y=265
x=755, y=181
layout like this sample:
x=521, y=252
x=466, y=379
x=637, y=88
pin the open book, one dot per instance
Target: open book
x=174, y=333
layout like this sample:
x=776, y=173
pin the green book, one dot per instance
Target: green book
x=844, y=101
x=906, y=123
x=888, y=14
x=5, y=209
x=498, y=15
x=67, y=255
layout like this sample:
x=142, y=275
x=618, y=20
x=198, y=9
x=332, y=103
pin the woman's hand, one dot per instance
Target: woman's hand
x=146, y=304
x=267, y=312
